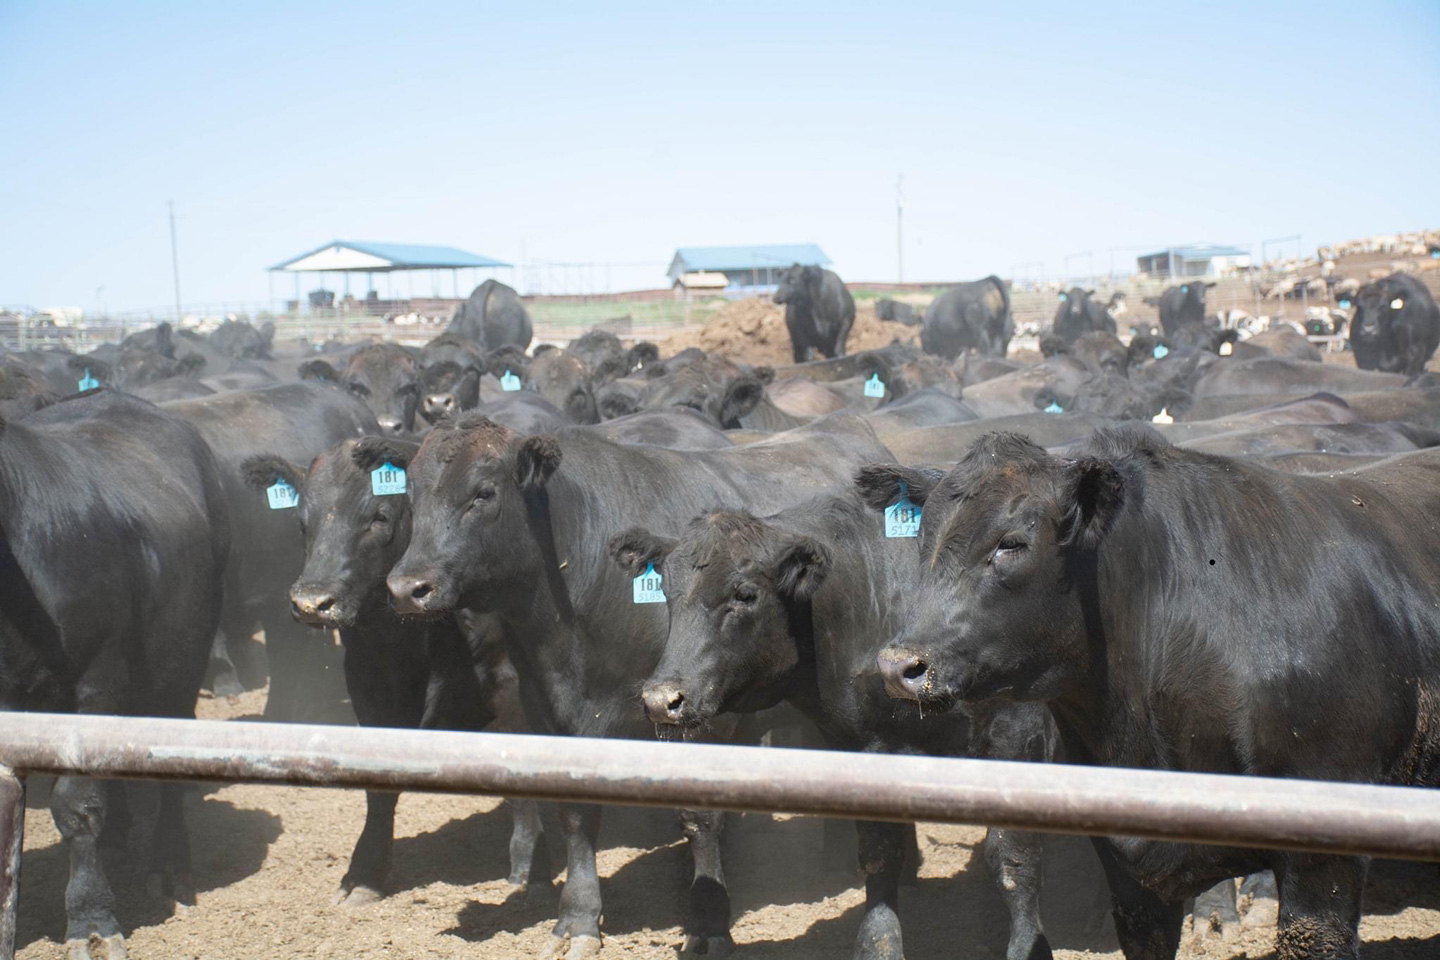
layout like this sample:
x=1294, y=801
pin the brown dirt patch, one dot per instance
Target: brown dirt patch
x=753, y=331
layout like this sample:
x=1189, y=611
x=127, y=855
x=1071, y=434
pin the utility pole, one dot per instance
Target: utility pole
x=899, y=231
x=174, y=260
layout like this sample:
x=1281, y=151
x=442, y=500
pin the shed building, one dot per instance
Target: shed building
x=1195, y=260
x=746, y=268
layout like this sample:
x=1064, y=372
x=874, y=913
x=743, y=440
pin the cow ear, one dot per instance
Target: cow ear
x=1092, y=493
x=643, y=353
x=536, y=460
x=319, y=370
x=98, y=368
x=801, y=567
x=637, y=548
x=742, y=395
x=264, y=469
x=372, y=452
x=467, y=391
x=879, y=484
x=164, y=342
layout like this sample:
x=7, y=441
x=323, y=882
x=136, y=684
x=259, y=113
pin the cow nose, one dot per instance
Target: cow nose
x=664, y=702
x=410, y=593
x=440, y=404
x=390, y=424
x=906, y=673
x=312, y=606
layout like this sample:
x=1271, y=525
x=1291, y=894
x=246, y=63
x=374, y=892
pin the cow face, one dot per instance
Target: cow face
x=564, y=381
x=1004, y=538
x=792, y=285
x=471, y=487
x=386, y=378
x=447, y=389
x=734, y=586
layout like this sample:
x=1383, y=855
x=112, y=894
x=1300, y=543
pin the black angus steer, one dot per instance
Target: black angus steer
x=1396, y=326
x=1106, y=586
x=519, y=527
x=1181, y=305
x=296, y=421
x=493, y=316
x=384, y=376
x=794, y=607
x=1078, y=313
x=113, y=539
x=969, y=316
x=448, y=673
x=819, y=311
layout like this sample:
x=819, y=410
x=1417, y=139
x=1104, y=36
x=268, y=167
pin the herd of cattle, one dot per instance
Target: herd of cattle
x=1188, y=551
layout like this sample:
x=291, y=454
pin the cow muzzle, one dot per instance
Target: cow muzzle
x=906, y=673
x=665, y=703
x=415, y=595
x=313, y=605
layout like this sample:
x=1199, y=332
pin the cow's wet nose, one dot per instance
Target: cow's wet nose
x=440, y=404
x=390, y=425
x=411, y=593
x=312, y=606
x=664, y=702
x=906, y=673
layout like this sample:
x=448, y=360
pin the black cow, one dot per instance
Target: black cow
x=1105, y=585
x=563, y=379
x=296, y=421
x=969, y=316
x=385, y=376
x=1078, y=314
x=238, y=340
x=793, y=607
x=519, y=526
x=399, y=673
x=1396, y=326
x=819, y=311
x=1181, y=305
x=493, y=316
x=113, y=539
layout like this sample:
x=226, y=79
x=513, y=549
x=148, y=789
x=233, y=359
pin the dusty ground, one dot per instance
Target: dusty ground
x=267, y=861
x=753, y=331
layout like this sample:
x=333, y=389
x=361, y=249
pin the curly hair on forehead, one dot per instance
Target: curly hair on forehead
x=714, y=533
x=471, y=431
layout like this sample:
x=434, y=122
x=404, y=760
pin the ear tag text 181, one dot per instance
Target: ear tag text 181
x=509, y=383
x=282, y=496
x=648, y=587
x=88, y=382
x=1054, y=408
x=387, y=480
x=902, y=518
x=1161, y=351
x=874, y=387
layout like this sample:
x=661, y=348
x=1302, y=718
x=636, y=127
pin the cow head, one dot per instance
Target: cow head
x=447, y=389
x=799, y=284
x=472, y=485
x=735, y=587
x=385, y=377
x=353, y=536
x=996, y=611
x=564, y=381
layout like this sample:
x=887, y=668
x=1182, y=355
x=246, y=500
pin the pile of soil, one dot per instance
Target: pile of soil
x=753, y=331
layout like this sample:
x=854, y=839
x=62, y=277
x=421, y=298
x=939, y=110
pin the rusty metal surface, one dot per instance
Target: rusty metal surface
x=1203, y=808
x=12, y=837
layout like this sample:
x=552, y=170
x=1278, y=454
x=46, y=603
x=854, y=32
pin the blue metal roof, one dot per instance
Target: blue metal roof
x=690, y=259
x=402, y=256
x=1199, y=251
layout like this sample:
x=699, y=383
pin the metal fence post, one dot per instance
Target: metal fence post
x=12, y=839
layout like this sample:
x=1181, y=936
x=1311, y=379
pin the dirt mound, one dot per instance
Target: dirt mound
x=753, y=331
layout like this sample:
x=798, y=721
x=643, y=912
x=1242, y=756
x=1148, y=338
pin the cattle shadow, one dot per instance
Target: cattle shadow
x=228, y=844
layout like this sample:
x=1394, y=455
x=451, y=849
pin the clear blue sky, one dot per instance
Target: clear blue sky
x=613, y=133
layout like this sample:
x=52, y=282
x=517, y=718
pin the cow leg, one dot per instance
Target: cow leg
x=78, y=806
x=1014, y=858
x=1147, y=927
x=882, y=859
x=364, y=881
x=526, y=834
x=171, y=873
x=1319, y=907
x=1259, y=900
x=707, y=929
x=577, y=933
x=221, y=677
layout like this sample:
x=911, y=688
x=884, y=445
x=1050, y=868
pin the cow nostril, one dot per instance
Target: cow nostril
x=915, y=669
x=324, y=604
x=674, y=705
x=421, y=590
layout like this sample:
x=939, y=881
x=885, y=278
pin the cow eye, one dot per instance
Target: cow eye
x=359, y=389
x=1010, y=546
x=380, y=519
x=484, y=495
x=745, y=594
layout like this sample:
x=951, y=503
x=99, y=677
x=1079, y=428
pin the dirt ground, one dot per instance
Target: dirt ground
x=268, y=860
x=753, y=331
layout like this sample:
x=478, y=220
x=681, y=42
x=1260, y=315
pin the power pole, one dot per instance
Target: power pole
x=174, y=260
x=899, y=231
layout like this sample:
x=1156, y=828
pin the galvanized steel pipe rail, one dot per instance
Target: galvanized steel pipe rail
x=1341, y=818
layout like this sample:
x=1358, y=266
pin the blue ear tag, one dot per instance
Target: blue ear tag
x=509, y=383
x=1161, y=351
x=647, y=586
x=1064, y=297
x=1054, y=408
x=874, y=387
x=1345, y=304
x=387, y=480
x=282, y=495
x=1435, y=254
x=902, y=518
x=1185, y=289
x=88, y=382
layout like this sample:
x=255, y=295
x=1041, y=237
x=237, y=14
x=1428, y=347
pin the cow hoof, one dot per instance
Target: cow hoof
x=517, y=891
x=106, y=948
x=571, y=948
x=1214, y=930
x=1262, y=912
x=698, y=946
x=227, y=686
x=357, y=896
